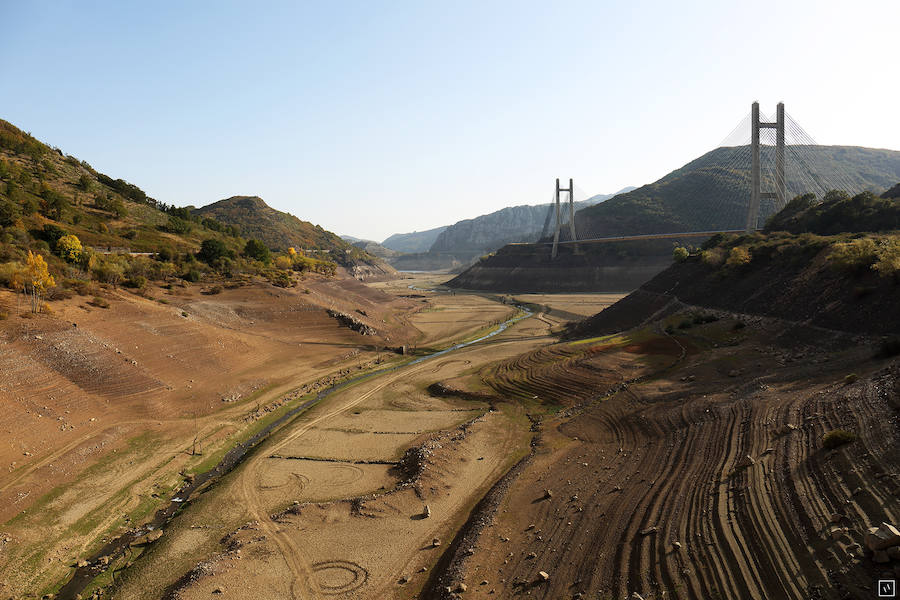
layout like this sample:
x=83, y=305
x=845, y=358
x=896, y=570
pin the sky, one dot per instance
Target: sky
x=379, y=117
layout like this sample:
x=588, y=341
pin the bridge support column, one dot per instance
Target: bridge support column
x=571, y=191
x=755, y=176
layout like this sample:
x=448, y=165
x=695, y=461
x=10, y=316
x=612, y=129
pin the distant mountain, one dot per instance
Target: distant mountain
x=710, y=193
x=417, y=241
x=494, y=230
x=375, y=249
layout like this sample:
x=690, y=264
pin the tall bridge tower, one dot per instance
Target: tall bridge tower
x=571, y=191
x=755, y=178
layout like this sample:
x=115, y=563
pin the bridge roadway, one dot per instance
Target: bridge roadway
x=627, y=238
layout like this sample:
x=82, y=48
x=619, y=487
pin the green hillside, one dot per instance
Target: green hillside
x=710, y=193
x=90, y=229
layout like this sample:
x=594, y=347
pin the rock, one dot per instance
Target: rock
x=745, y=462
x=676, y=545
x=427, y=512
x=435, y=543
x=836, y=533
x=636, y=596
x=543, y=576
x=403, y=579
x=104, y=560
x=768, y=451
x=548, y=493
x=218, y=590
x=82, y=564
x=483, y=582
x=531, y=555
x=460, y=588
x=856, y=491
x=882, y=537
x=836, y=517
x=881, y=557
x=650, y=530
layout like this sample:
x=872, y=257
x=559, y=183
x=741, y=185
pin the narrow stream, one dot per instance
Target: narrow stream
x=183, y=496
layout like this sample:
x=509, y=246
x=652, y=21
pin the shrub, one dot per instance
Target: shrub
x=887, y=257
x=69, y=248
x=212, y=250
x=680, y=254
x=837, y=437
x=192, y=275
x=137, y=282
x=256, y=250
x=854, y=255
x=212, y=291
x=99, y=302
x=713, y=257
x=851, y=378
x=738, y=256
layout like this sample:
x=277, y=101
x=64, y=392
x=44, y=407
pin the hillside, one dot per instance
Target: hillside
x=846, y=282
x=709, y=194
x=417, y=241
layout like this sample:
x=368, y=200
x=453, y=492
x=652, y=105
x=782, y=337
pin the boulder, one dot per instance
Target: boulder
x=650, y=530
x=882, y=537
x=543, y=576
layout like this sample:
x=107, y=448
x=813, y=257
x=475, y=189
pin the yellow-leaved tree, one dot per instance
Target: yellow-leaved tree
x=69, y=248
x=36, y=280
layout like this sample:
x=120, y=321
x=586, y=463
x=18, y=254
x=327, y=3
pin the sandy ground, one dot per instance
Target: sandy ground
x=101, y=405
x=648, y=493
x=361, y=546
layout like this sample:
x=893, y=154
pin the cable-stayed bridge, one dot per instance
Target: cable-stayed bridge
x=763, y=163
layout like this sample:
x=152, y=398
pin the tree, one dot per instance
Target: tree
x=54, y=204
x=680, y=254
x=738, y=256
x=69, y=248
x=211, y=250
x=36, y=280
x=256, y=250
x=9, y=213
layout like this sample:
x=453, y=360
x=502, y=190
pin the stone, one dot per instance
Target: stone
x=435, y=543
x=548, y=493
x=82, y=564
x=531, y=555
x=836, y=533
x=403, y=579
x=836, y=517
x=460, y=588
x=427, y=512
x=676, y=545
x=882, y=537
x=745, y=462
x=650, y=530
x=218, y=590
x=636, y=596
x=543, y=576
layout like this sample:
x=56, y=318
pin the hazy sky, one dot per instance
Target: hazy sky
x=372, y=118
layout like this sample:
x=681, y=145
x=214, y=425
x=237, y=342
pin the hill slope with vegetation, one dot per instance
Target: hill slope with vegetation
x=846, y=280
x=417, y=241
x=709, y=193
x=65, y=226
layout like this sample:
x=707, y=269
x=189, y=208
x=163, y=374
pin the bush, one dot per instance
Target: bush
x=738, y=256
x=713, y=257
x=212, y=250
x=853, y=256
x=136, y=282
x=212, y=291
x=256, y=250
x=838, y=437
x=680, y=254
x=192, y=275
x=99, y=302
x=69, y=248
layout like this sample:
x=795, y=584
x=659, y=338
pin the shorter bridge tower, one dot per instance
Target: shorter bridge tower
x=755, y=177
x=571, y=191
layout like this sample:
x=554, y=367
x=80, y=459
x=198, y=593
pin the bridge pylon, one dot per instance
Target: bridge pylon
x=755, y=177
x=571, y=190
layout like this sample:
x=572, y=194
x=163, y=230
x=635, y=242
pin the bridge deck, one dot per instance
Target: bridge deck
x=646, y=236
